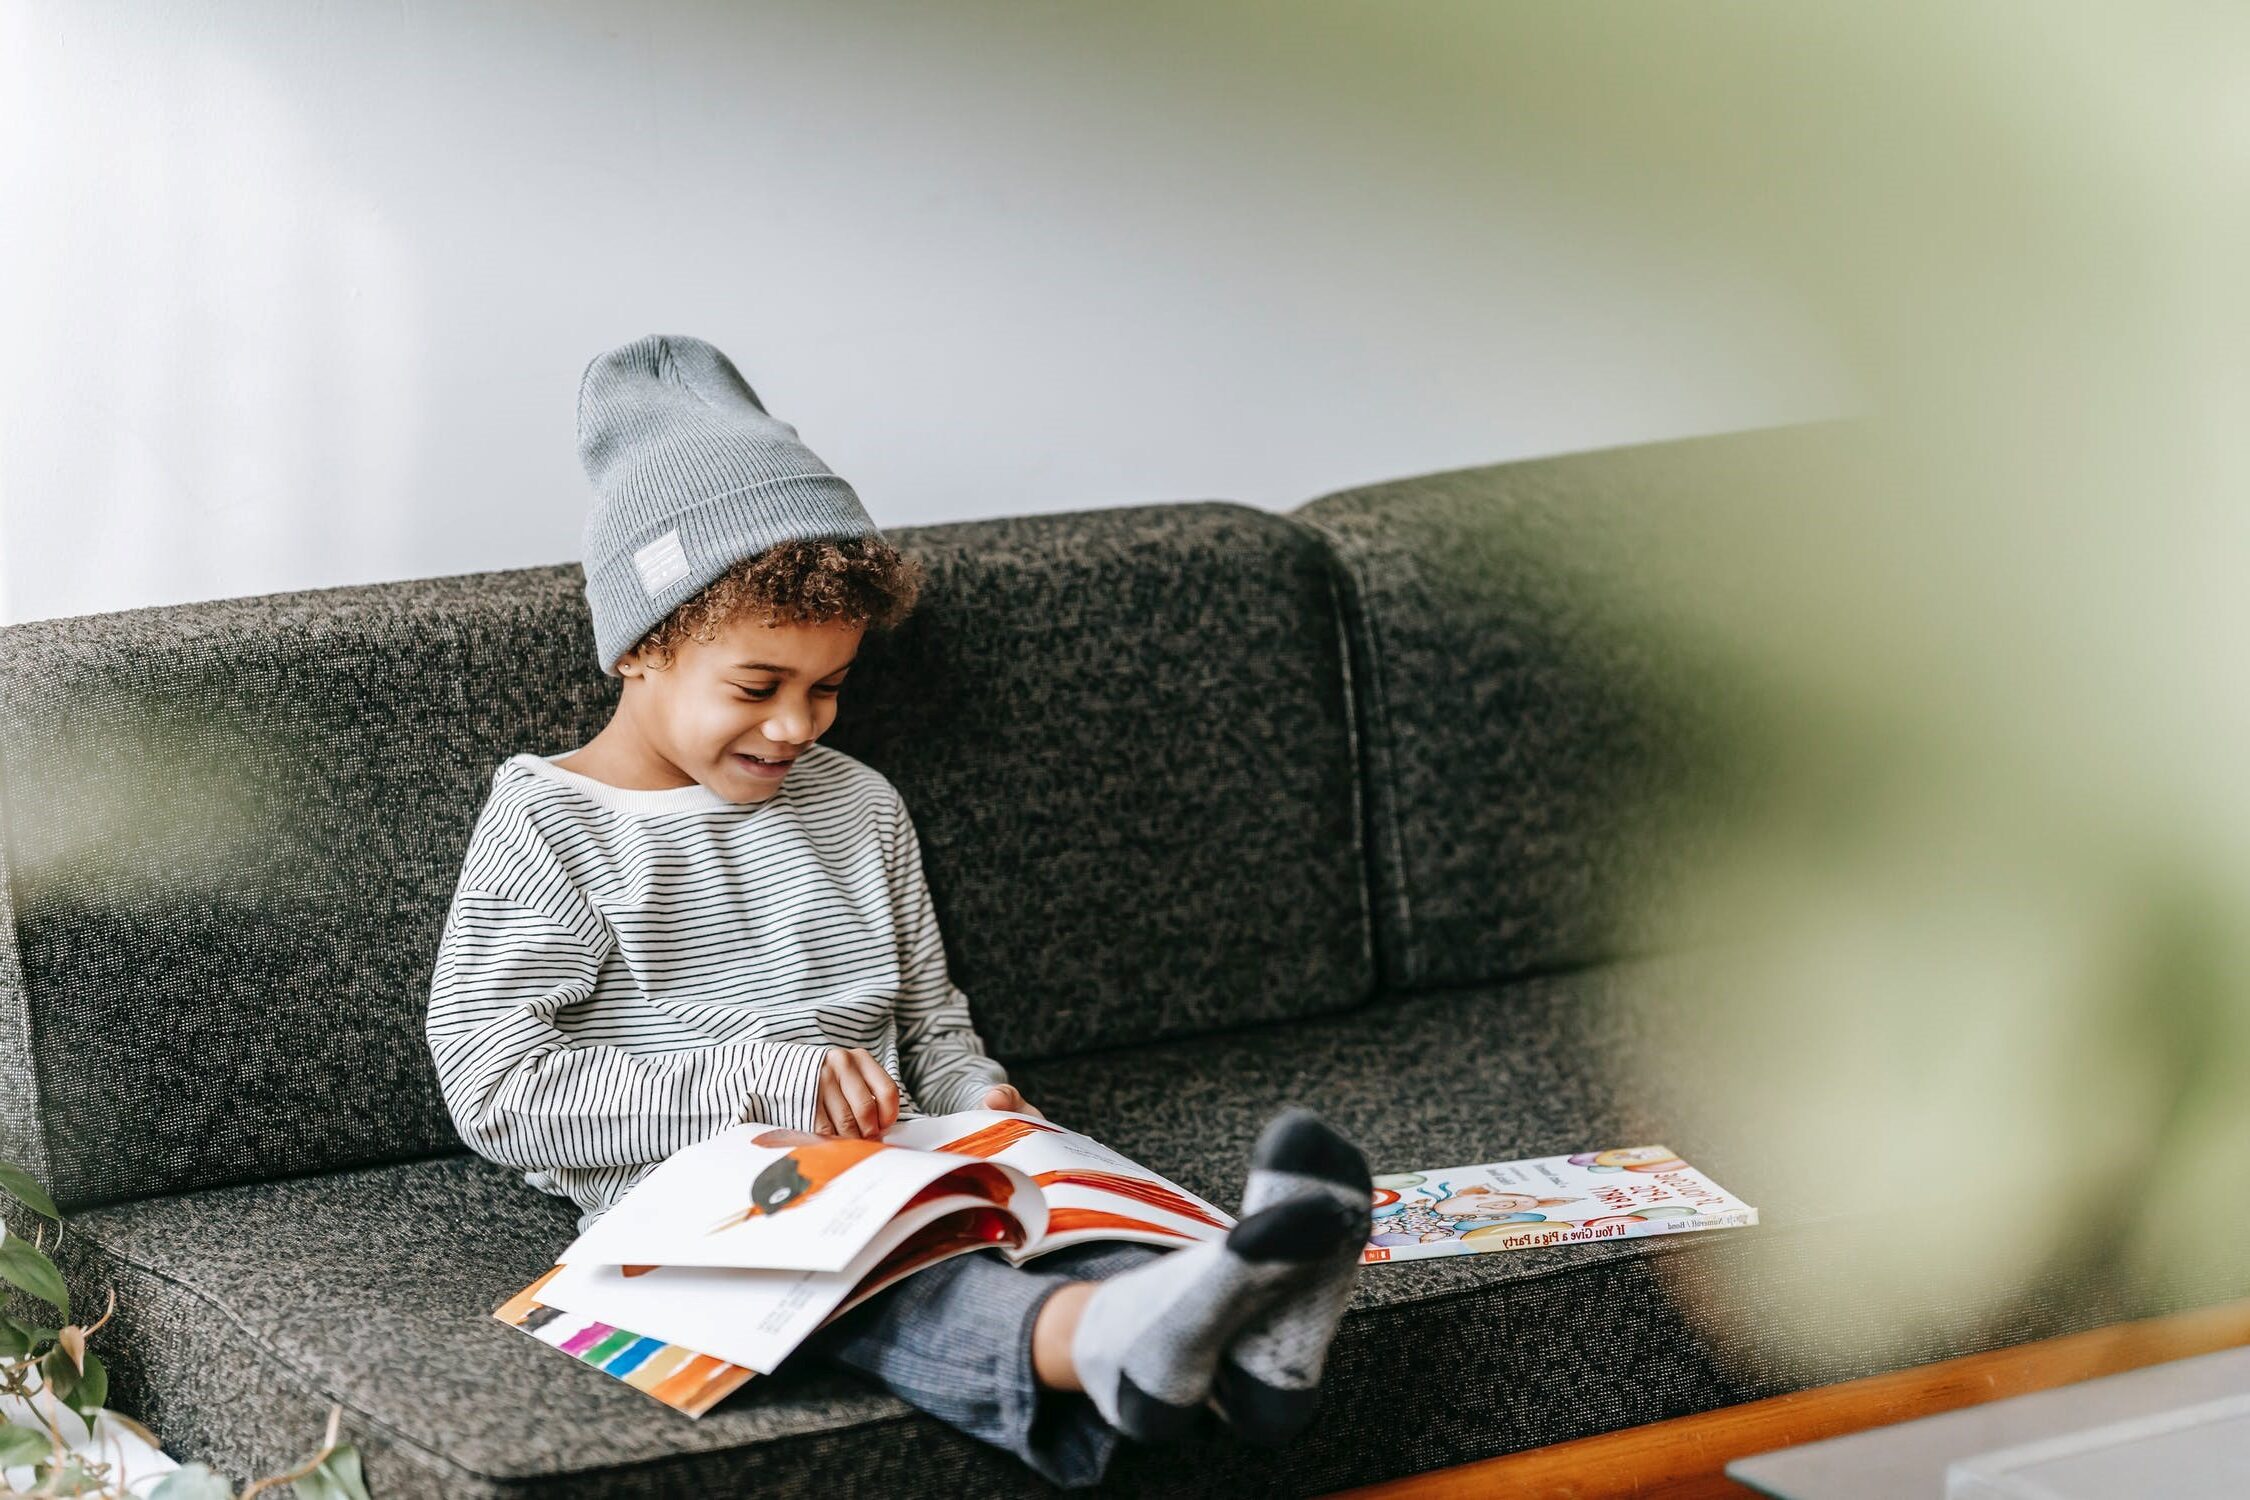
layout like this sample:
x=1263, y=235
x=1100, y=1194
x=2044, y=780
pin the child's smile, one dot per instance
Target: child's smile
x=772, y=769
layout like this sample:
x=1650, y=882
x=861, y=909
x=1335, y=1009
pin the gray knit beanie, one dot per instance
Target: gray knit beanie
x=691, y=475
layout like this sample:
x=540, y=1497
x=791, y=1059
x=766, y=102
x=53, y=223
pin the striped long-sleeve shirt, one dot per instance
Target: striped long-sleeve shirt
x=626, y=972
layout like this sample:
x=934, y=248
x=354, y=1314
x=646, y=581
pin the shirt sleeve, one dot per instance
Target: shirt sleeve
x=526, y=1094
x=946, y=1065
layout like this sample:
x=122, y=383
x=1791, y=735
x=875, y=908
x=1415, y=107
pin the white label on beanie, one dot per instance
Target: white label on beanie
x=661, y=562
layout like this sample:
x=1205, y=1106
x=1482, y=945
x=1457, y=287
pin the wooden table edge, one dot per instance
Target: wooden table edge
x=1685, y=1458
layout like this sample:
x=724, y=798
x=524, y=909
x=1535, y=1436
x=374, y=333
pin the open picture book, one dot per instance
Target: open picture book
x=735, y=1250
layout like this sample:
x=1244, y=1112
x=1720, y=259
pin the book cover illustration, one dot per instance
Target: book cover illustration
x=1551, y=1200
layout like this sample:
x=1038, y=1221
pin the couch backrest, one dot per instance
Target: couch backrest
x=1540, y=753
x=232, y=829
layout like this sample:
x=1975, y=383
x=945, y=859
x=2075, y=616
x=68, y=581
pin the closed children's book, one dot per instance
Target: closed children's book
x=735, y=1250
x=1547, y=1200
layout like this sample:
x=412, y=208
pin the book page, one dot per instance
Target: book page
x=1091, y=1192
x=955, y=1234
x=754, y=1197
x=754, y=1318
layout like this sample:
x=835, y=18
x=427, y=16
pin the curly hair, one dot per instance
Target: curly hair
x=858, y=580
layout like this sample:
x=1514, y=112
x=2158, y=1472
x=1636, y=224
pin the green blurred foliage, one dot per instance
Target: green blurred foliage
x=1980, y=645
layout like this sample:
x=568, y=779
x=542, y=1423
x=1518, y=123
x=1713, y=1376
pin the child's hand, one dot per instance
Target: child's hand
x=857, y=1098
x=1008, y=1096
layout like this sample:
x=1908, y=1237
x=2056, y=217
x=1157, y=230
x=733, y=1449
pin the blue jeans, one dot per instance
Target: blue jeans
x=955, y=1340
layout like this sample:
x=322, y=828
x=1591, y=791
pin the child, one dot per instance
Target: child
x=703, y=915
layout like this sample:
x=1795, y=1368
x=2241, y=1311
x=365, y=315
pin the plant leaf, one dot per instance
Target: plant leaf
x=73, y=1342
x=23, y=1445
x=23, y=1264
x=92, y=1389
x=192, y=1482
x=60, y=1374
x=337, y=1478
x=15, y=1338
x=73, y=1478
x=18, y=1184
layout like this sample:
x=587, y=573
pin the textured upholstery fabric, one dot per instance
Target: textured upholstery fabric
x=1534, y=742
x=233, y=828
x=243, y=1310
x=1222, y=810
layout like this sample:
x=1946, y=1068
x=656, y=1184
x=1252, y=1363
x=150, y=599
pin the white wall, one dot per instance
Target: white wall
x=299, y=296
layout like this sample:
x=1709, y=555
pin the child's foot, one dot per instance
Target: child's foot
x=1148, y=1340
x=1267, y=1385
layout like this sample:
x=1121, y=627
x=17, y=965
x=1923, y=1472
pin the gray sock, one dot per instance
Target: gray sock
x=1148, y=1339
x=1267, y=1384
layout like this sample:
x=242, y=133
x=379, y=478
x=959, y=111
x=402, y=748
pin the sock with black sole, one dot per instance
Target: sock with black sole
x=1148, y=1339
x=1267, y=1384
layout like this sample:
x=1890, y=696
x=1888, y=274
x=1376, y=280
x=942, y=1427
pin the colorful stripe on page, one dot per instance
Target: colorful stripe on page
x=1072, y=1220
x=1154, y=1194
x=683, y=1379
x=994, y=1138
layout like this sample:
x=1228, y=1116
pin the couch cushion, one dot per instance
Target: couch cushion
x=243, y=1310
x=231, y=830
x=1538, y=748
x=1125, y=736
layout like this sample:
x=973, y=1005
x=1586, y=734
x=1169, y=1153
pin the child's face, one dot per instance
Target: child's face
x=757, y=690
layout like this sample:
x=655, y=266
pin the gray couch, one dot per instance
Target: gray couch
x=1222, y=809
